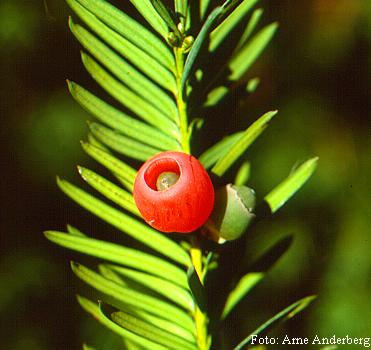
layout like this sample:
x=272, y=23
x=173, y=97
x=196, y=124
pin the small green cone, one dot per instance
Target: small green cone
x=173, y=39
x=232, y=214
x=187, y=43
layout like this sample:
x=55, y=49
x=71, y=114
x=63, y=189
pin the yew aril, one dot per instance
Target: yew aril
x=185, y=196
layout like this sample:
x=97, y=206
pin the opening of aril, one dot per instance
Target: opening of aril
x=156, y=168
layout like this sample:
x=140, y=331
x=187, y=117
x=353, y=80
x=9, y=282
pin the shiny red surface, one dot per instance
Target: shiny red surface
x=186, y=205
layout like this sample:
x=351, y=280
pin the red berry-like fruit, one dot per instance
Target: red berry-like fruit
x=173, y=192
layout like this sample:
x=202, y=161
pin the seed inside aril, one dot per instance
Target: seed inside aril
x=166, y=180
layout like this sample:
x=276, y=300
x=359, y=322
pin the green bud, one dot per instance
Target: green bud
x=173, y=39
x=187, y=43
x=233, y=212
x=180, y=27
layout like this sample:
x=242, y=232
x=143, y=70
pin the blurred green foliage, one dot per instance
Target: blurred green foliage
x=19, y=25
x=52, y=147
x=316, y=73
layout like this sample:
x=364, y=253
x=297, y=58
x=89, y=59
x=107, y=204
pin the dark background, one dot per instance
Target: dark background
x=316, y=72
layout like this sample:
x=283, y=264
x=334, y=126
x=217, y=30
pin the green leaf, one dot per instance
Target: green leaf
x=243, y=287
x=215, y=96
x=167, y=325
x=122, y=144
x=133, y=298
x=269, y=257
x=283, y=316
x=106, y=271
x=146, y=9
x=196, y=287
x=131, y=30
x=280, y=194
x=104, y=156
x=226, y=27
x=130, y=257
x=109, y=190
x=93, y=309
x=127, y=224
x=87, y=347
x=142, y=60
x=121, y=121
x=124, y=71
x=240, y=146
x=151, y=332
x=130, y=345
x=178, y=295
x=227, y=8
x=163, y=324
x=74, y=231
x=111, y=275
x=181, y=8
x=166, y=15
x=199, y=44
x=128, y=98
x=208, y=265
x=119, y=168
x=204, y=5
x=94, y=142
x=243, y=174
x=252, y=85
x=247, y=55
x=250, y=27
x=217, y=151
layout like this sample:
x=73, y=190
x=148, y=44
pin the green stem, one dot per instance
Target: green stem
x=181, y=104
x=201, y=319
